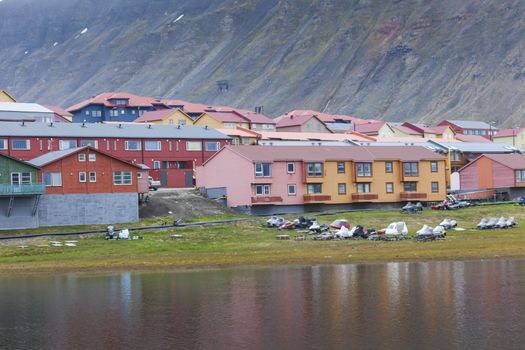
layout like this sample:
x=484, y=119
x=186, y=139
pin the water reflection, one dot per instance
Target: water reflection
x=394, y=305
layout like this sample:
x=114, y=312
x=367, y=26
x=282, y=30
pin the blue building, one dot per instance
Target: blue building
x=114, y=106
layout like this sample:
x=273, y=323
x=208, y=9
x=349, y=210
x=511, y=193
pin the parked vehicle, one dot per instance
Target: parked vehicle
x=340, y=223
x=275, y=221
x=448, y=223
x=411, y=208
x=153, y=184
x=521, y=201
x=427, y=233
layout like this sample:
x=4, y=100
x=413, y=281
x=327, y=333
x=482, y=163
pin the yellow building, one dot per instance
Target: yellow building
x=165, y=116
x=514, y=137
x=6, y=97
x=222, y=120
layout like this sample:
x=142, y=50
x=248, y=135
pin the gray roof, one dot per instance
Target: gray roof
x=471, y=124
x=427, y=144
x=23, y=107
x=52, y=156
x=98, y=130
x=478, y=147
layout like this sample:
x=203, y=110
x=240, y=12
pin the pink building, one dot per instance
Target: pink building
x=503, y=172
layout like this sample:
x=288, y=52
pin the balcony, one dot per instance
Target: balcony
x=266, y=199
x=412, y=195
x=316, y=198
x=22, y=190
x=364, y=197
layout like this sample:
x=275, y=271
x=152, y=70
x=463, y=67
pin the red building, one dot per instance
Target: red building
x=171, y=152
x=86, y=170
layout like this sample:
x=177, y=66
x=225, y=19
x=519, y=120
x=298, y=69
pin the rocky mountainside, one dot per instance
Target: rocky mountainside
x=421, y=60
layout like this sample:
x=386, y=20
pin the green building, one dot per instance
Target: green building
x=19, y=194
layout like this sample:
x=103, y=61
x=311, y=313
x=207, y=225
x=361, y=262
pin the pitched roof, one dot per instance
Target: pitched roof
x=23, y=107
x=372, y=127
x=58, y=110
x=469, y=124
x=508, y=132
x=101, y=130
x=295, y=120
x=160, y=114
x=105, y=97
x=228, y=116
x=512, y=161
x=423, y=128
x=57, y=155
x=326, y=117
x=18, y=160
x=477, y=147
x=238, y=132
x=325, y=153
x=405, y=129
x=311, y=136
x=471, y=138
x=8, y=94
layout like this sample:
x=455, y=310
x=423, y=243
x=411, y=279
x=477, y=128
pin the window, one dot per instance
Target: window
x=152, y=146
x=182, y=122
x=364, y=169
x=290, y=168
x=3, y=144
x=410, y=169
x=212, y=146
x=92, y=157
x=341, y=167
x=52, y=179
x=113, y=112
x=314, y=188
x=87, y=112
x=434, y=167
x=92, y=176
x=156, y=164
x=122, y=178
x=97, y=114
x=193, y=146
x=389, y=168
x=262, y=170
x=341, y=188
x=133, y=145
x=410, y=186
x=82, y=176
x=454, y=155
x=18, y=144
x=292, y=190
x=389, y=187
x=229, y=125
x=363, y=187
x=520, y=175
x=21, y=178
x=67, y=144
x=267, y=126
x=435, y=187
x=121, y=101
x=262, y=190
x=81, y=157
x=92, y=143
x=314, y=169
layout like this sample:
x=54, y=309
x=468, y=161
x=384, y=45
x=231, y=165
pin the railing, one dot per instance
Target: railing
x=364, y=197
x=10, y=190
x=266, y=199
x=412, y=195
x=316, y=198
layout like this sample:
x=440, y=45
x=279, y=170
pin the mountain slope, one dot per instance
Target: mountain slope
x=422, y=60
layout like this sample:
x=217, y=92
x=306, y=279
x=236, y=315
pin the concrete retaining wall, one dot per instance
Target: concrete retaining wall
x=83, y=209
x=20, y=216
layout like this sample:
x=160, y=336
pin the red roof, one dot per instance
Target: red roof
x=294, y=120
x=324, y=153
x=406, y=129
x=58, y=110
x=104, y=99
x=150, y=116
x=508, y=132
x=513, y=161
x=325, y=117
x=372, y=127
x=471, y=138
x=250, y=115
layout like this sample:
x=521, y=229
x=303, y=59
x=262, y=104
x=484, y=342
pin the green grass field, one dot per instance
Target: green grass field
x=250, y=243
